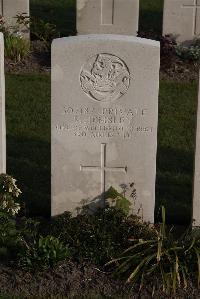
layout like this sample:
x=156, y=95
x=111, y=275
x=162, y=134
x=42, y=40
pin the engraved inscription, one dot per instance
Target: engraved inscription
x=105, y=77
x=103, y=122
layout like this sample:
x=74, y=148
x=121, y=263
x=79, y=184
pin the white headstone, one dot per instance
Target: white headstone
x=2, y=109
x=107, y=16
x=104, y=120
x=11, y=8
x=196, y=192
x=181, y=19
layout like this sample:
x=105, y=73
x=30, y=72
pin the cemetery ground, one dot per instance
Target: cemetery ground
x=37, y=265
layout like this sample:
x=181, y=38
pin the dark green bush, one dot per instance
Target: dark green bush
x=98, y=237
x=10, y=238
x=44, y=31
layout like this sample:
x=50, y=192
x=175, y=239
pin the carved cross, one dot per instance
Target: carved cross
x=103, y=168
x=195, y=7
x=107, y=12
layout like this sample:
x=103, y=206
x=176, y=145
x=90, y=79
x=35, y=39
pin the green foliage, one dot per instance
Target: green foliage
x=173, y=260
x=29, y=229
x=10, y=239
x=9, y=193
x=16, y=48
x=44, y=31
x=22, y=21
x=191, y=53
x=43, y=253
x=98, y=237
x=28, y=118
x=116, y=199
x=176, y=140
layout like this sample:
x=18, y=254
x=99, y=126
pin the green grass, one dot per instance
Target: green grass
x=28, y=143
x=151, y=15
x=28, y=138
x=176, y=139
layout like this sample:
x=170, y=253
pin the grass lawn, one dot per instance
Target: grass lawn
x=63, y=14
x=28, y=143
x=28, y=138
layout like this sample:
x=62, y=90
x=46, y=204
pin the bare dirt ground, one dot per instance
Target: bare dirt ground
x=71, y=280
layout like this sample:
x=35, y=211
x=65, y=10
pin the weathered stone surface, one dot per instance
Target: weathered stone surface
x=2, y=109
x=11, y=8
x=196, y=192
x=104, y=121
x=107, y=16
x=181, y=19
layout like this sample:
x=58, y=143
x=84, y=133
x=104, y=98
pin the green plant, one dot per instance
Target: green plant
x=9, y=193
x=117, y=200
x=43, y=253
x=29, y=229
x=10, y=238
x=172, y=259
x=22, y=20
x=44, y=31
x=40, y=29
x=100, y=236
x=191, y=52
x=16, y=48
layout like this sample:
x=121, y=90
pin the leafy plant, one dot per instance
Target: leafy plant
x=188, y=53
x=29, y=229
x=44, y=31
x=44, y=253
x=116, y=199
x=9, y=193
x=16, y=48
x=22, y=20
x=10, y=238
x=100, y=236
x=172, y=259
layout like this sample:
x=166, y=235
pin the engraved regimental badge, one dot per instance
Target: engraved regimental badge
x=105, y=77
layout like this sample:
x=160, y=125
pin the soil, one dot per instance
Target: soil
x=179, y=70
x=39, y=61
x=71, y=280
